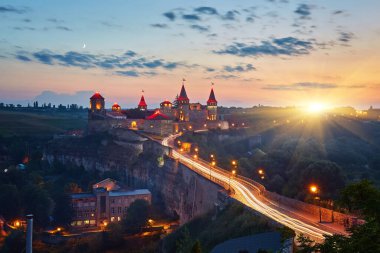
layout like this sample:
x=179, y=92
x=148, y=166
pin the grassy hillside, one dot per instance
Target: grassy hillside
x=34, y=123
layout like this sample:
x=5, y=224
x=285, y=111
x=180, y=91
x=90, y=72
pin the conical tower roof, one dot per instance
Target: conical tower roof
x=182, y=94
x=212, y=98
x=142, y=102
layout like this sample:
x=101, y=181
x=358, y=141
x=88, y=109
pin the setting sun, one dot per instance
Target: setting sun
x=316, y=107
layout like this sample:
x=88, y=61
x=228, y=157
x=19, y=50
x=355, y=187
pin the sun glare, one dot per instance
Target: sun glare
x=316, y=108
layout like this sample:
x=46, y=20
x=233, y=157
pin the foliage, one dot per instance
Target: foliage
x=196, y=247
x=364, y=198
x=137, y=215
x=14, y=242
x=234, y=221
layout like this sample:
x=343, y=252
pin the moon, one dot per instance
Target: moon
x=84, y=45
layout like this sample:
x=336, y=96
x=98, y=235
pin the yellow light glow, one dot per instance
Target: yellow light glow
x=316, y=107
x=313, y=189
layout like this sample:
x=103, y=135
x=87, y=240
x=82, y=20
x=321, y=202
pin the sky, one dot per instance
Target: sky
x=270, y=52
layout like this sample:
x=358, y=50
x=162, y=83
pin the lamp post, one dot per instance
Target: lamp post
x=261, y=173
x=234, y=165
x=233, y=173
x=212, y=162
x=315, y=190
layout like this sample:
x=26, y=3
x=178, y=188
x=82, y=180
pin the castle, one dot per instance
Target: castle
x=181, y=115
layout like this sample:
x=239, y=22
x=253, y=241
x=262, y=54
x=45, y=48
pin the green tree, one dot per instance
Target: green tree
x=137, y=215
x=38, y=202
x=196, y=247
x=10, y=200
x=363, y=198
x=183, y=243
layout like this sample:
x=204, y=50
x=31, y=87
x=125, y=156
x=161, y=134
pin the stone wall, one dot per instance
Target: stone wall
x=183, y=192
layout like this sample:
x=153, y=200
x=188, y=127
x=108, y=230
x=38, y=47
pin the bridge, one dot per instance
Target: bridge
x=255, y=196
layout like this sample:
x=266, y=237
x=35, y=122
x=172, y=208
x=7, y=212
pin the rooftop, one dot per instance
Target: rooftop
x=129, y=193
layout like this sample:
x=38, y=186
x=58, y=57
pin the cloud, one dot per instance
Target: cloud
x=128, y=61
x=227, y=77
x=23, y=58
x=27, y=20
x=230, y=15
x=346, y=37
x=163, y=26
x=11, y=9
x=206, y=10
x=54, y=20
x=133, y=73
x=288, y=46
x=239, y=68
x=63, y=28
x=191, y=17
x=24, y=28
x=337, y=12
x=302, y=86
x=170, y=15
x=200, y=28
x=304, y=11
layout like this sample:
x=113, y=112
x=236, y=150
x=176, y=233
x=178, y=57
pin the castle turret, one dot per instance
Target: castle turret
x=166, y=107
x=142, y=106
x=116, y=107
x=212, y=106
x=183, y=104
x=97, y=106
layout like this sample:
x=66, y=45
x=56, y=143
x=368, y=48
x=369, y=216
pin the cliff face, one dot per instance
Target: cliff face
x=178, y=189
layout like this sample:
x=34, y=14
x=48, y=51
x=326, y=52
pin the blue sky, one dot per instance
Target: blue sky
x=269, y=52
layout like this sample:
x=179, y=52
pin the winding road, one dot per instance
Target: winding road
x=248, y=192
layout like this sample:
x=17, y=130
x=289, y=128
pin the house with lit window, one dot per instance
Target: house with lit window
x=108, y=202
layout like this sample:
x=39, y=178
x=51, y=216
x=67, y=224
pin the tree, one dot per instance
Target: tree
x=10, y=200
x=72, y=188
x=137, y=215
x=38, y=203
x=364, y=198
x=63, y=210
x=183, y=243
x=196, y=247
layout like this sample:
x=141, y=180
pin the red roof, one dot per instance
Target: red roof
x=158, y=115
x=211, y=98
x=166, y=102
x=97, y=96
x=142, y=102
x=182, y=94
x=116, y=105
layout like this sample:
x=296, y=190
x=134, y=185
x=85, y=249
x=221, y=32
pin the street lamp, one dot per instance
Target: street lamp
x=261, y=173
x=213, y=162
x=233, y=173
x=315, y=190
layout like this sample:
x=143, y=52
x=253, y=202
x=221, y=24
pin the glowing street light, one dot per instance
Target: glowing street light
x=261, y=172
x=315, y=190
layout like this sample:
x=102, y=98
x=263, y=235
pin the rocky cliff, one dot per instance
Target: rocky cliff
x=145, y=164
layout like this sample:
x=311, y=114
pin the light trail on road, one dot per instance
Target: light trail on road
x=245, y=190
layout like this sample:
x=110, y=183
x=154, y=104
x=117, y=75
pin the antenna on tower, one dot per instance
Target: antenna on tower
x=183, y=80
x=212, y=83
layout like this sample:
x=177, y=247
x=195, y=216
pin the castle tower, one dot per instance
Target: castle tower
x=142, y=106
x=116, y=107
x=183, y=104
x=212, y=106
x=166, y=107
x=97, y=108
